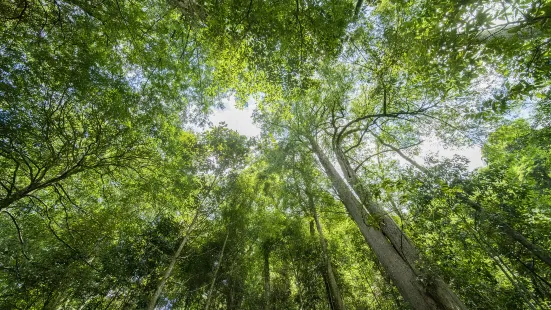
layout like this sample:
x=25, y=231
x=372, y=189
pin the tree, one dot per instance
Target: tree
x=117, y=192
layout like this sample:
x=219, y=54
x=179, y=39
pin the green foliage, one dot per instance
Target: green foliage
x=113, y=186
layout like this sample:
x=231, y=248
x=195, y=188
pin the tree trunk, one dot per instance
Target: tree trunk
x=437, y=288
x=509, y=231
x=539, y=252
x=216, y=272
x=168, y=272
x=266, y=275
x=396, y=267
x=335, y=298
x=389, y=227
x=327, y=290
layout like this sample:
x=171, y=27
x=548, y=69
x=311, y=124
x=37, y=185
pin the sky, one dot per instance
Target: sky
x=474, y=153
x=241, y=121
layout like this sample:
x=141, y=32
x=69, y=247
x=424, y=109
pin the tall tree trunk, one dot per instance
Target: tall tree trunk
x=266, y=275
x=327, y=290
x=168, y=271
x=437, y=288
x=509, y=231
x=216, y=271
x=389, y=227
x=396, y=267
x=334, y=292
x=500, y=224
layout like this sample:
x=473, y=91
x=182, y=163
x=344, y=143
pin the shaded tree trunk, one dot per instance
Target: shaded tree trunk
x=327, y=290
x=266, y=275
x=509, y=231
x=216, y=272
x=334, y=293
x=168, y=271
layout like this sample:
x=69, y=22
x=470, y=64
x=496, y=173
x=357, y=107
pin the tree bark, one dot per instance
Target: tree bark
x=538, y=251
x=335, y=298
x=266, y=275
x=327, y=290
x=396, y=267
x=437, y=288
x=168, y=272
x=216, y=272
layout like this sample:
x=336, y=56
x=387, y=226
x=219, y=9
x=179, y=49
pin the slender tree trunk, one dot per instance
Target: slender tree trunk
x=168, y=271
x=438, y=289
x=266, y=275
x=327, y=290
x=358, y=8
x=509, y=231
x=335, y=294
x=216, y=272
x=501, y=265
x=395, y=266
x=538, y=251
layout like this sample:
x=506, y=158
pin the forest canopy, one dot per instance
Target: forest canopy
x=117, y=191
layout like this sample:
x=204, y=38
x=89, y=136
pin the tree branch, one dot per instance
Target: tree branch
x=19, y=235
x=358, y=8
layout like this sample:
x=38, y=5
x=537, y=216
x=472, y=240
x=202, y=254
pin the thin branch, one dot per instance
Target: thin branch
x=360, y=140
x=342, y=133
x=19, y=235
x=399, y=152
x=368, y=158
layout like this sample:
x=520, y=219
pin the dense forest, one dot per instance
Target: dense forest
x=117, y=191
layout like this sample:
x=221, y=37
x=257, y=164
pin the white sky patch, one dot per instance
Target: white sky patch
x=436, y=148
x=239, y=120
